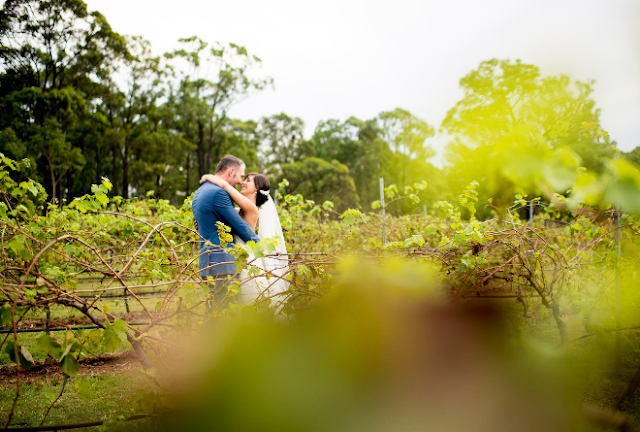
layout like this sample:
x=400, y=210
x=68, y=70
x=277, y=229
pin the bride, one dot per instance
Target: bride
x=257, y=207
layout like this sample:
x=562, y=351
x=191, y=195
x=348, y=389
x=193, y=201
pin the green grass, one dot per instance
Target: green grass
x=116, y=393
x=592, y=359
x=29, y=340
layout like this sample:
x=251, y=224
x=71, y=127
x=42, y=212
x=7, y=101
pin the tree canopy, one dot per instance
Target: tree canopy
x=80, y=102
x=509, y=107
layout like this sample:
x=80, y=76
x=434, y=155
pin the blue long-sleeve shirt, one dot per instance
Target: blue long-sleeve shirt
x=211, y=204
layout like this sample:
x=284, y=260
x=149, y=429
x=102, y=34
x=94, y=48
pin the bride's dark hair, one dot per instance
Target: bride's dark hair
x=262, y=184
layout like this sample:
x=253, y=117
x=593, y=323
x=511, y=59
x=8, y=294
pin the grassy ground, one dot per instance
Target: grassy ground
x=115, y=386
x=64, y=317
x=29, y=340
x=115, y=394
x=592, y=359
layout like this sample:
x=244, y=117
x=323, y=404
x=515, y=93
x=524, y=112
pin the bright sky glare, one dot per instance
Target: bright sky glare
x=341, y=58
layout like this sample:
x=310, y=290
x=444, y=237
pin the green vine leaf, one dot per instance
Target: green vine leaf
x=24, y=356
x=84, y=390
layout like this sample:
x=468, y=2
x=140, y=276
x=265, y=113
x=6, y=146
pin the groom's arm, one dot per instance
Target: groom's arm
x=232, y=219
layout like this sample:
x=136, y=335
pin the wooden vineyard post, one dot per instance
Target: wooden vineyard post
x=618, y=297
x=384, y=225
x=47, y=323
x=531, y=214
x=126, y=300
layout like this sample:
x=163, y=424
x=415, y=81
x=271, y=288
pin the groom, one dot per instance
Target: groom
x=210, y=205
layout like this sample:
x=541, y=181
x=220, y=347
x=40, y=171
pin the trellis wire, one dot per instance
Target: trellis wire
x=48, y=320
x=72, y=425
x=123, y=296
x=618, y=298
x=55, y=329
x=531, y=213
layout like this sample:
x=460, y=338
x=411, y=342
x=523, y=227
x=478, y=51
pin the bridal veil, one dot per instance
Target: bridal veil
x=275, y=264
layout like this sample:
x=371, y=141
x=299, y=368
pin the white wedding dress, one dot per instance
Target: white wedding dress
x=260, y=287
x=249, y=289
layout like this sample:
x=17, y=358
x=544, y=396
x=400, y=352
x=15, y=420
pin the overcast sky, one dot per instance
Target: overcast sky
x=338, y=58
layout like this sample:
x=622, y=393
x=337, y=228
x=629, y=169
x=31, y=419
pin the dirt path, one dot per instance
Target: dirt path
x=102, y=364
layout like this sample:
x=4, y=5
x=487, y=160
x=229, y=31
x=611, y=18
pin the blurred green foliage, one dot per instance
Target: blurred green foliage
x=381, y=352
x=511, y=113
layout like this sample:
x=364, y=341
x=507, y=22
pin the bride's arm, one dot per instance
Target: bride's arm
x=249, y=209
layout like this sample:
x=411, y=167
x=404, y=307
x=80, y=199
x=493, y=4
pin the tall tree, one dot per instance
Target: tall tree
x=359, y=146
x=282, y=139
x=633, y=156
x=407, y=137
x=241, y=138
x=212, y=78
x=392, y=146
x=335, y=139
x=56, y=43
x=509, y=107
x=52, y=55
x=58, y=153
x=128, y=108
x=321, y=180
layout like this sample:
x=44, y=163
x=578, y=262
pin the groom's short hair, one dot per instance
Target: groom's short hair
x=229, y=161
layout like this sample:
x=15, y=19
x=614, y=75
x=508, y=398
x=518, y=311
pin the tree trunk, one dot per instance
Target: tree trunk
x=98, y=151
x=217, y=154
x=562, y=327
x=201, y=149
x=114, y=169
x=139, y=350
x=125, y=169
x=53, y=183
x=187, y=177
x=53, y=193
x=207, y=167
x=59, y=193
x=68, y=181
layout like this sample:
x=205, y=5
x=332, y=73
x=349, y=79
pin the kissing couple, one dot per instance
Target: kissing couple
x=214, y=202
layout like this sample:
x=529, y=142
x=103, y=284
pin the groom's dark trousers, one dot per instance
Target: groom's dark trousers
x=210, y=205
